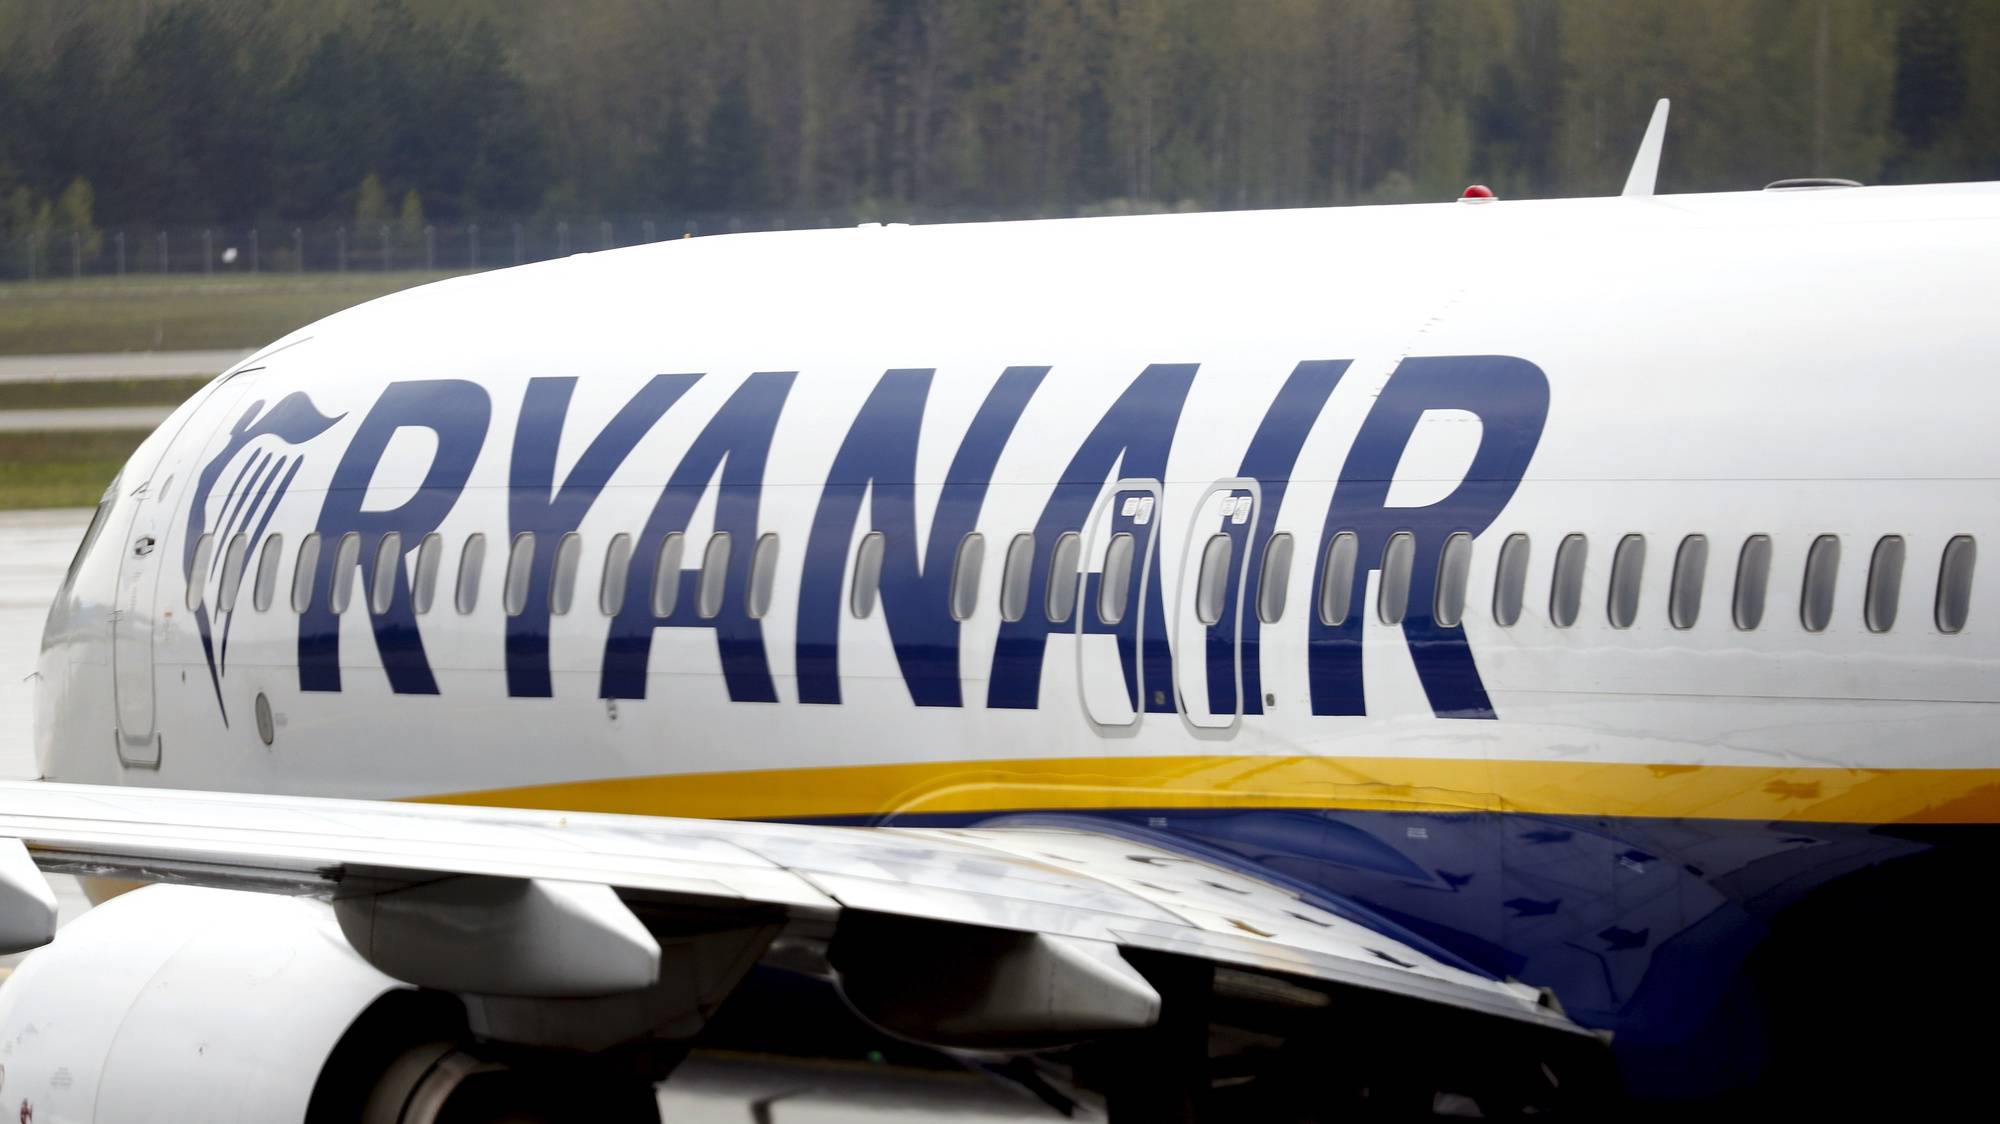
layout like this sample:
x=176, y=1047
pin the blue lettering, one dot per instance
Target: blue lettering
x=1511, y=399
x=455, y=410
x=879, y=456
x=1270, y=460
x=535, y=505
x=738, y=440
x=1135, y=435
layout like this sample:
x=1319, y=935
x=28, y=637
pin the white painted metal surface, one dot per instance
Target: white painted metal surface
x=35, y=546
x=532, y=937
x=1068, y=883
x=27, y=901
x=1720, y=365
x=1822, y=295
x=159, y=1006
x=1645, y=173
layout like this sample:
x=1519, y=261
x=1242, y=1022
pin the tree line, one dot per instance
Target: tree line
x=298, y=111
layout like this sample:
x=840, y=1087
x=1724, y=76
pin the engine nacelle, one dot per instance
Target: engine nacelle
x=179, y=1004
x=172, y=1003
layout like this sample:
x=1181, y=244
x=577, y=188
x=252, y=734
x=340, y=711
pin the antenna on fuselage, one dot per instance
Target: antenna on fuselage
x=1646, y=166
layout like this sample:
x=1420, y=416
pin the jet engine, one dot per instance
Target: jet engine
x=174, y=1003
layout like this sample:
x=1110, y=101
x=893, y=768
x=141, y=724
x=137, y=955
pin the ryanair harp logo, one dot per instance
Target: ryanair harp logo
x=261, y=459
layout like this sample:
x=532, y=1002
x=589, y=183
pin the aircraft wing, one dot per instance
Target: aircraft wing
x=1067, y=884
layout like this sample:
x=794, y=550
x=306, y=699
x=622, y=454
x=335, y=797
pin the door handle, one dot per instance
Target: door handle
x=143, y=547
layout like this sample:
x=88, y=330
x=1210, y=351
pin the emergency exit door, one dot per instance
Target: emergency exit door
x=1208, y=605
x=1113, y=586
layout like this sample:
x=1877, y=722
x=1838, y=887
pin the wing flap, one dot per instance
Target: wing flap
x=1064, y=880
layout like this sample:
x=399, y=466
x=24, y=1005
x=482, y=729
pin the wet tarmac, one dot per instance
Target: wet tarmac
x=91, y=417
x=710, y=1088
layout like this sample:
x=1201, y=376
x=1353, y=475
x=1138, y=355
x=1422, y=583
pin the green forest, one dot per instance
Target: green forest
x=138, y=112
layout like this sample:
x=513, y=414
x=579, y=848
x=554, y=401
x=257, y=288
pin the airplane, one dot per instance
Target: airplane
x=1512, y=657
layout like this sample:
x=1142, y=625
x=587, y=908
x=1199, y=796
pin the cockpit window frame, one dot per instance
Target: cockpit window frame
x=90, y=535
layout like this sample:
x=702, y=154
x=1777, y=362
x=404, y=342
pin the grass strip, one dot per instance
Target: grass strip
x=83, y=393
x=61, y=468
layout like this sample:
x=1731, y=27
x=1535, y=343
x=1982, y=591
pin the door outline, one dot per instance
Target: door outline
x=133, y=627
x=152, y=528
x=1097, y=532
x=1190, y=651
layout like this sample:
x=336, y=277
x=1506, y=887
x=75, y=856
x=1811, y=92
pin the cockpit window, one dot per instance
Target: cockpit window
x=90, y=534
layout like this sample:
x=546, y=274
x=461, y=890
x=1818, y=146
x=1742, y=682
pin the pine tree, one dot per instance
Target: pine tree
x=410, y=220
x=371, y=203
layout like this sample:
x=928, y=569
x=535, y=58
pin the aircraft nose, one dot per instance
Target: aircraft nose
x=76, y=640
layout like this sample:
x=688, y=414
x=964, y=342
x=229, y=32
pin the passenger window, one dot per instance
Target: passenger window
x=204, y=549
x=1017, y=574
x=382, y=575
x=867, y=576
x=232, y=572
x=1062, y=576
x=1274, y=582
x=1885, y=584
x=430, y=556
x=714, y=576
x=269, y=555
x=617, y=570
x=965, y=575
x=1628, y=565
x=763, y=575
x=1114, y=587
x=1566, y=590
x=1822, y=567
x=1753, y=576
x=470, y=563
x=346, y=564
x=562, y=580
x=303, y=572
x=520, y=566
x=1212, y=583
x=1690, y=573
x=1454, y=571
x=1393, y=595
x=1954, y=592
x=1336, y=578
x=1510, y=581
x=667, y=574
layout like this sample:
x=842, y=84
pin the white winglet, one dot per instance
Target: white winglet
x=1646, y=166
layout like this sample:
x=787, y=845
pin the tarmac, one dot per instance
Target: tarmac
x=92, y=417
x=117, y=365
x=101, y=368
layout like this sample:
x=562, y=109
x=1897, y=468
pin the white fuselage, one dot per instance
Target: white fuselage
x=1793, y=365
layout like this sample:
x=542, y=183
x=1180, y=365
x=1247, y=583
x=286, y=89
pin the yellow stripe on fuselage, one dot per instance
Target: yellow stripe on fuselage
x=1377, y=784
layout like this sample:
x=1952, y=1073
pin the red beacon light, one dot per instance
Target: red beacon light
x=1477, y=193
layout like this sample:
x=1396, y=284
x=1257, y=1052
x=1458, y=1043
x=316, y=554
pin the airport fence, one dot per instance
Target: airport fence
x=340, y=247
